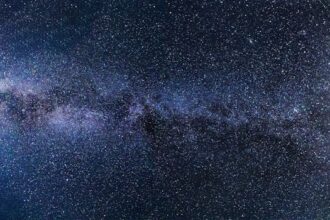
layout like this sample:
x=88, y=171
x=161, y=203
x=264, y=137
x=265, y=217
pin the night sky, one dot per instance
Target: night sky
x=131, y=109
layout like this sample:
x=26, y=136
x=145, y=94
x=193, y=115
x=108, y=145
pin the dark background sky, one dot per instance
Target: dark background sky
x=168, y=39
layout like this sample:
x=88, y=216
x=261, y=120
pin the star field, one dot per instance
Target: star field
x=164, y=109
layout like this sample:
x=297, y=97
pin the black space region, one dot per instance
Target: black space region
x=131, y=109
